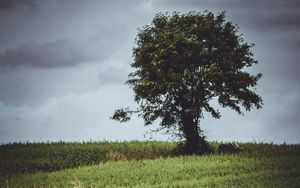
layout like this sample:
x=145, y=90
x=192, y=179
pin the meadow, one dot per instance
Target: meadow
x=146, y=164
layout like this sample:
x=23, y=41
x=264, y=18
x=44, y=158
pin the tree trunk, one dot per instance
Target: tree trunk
x=195, y=144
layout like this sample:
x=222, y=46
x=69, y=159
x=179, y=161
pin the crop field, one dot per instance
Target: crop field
x=146, y=164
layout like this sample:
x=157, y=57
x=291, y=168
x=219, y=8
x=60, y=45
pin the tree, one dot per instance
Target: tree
x=184, y=61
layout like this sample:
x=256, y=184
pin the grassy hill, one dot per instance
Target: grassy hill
x=146, y=164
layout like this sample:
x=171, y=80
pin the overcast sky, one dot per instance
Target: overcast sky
x=63, y=65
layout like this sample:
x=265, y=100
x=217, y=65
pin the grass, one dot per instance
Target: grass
x=20, y=158
x=259, y=165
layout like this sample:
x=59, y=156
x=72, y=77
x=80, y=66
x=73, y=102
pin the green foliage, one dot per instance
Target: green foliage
x=259, y=165
x=182, y=62
x=121, y=115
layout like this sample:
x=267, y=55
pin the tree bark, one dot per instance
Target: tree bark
x=195, y=144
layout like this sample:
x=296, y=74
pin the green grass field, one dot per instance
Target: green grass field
x=146, y=164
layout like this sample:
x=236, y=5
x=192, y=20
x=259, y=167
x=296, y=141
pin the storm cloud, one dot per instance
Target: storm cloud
x=278, y=15
x=63, y=65
x=59, y=53
x=13, y=4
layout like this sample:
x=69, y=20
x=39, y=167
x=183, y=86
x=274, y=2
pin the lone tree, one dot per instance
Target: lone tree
x=184, y=61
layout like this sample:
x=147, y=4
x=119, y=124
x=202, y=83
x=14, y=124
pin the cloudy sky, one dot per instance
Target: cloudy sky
x=63, y=65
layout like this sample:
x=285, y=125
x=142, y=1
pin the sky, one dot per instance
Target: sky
x=63, y=65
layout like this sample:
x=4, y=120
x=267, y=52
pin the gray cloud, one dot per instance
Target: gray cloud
x=66, y=33
x=268, y=20
x=65, y=37
x=113, y=75
x=232, y=4
x=13, y=4
x=264, y=15
x=46, y=80
x=33, y=86
x=60, y=53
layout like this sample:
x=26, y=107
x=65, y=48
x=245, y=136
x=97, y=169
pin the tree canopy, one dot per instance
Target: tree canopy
x=184, y=61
